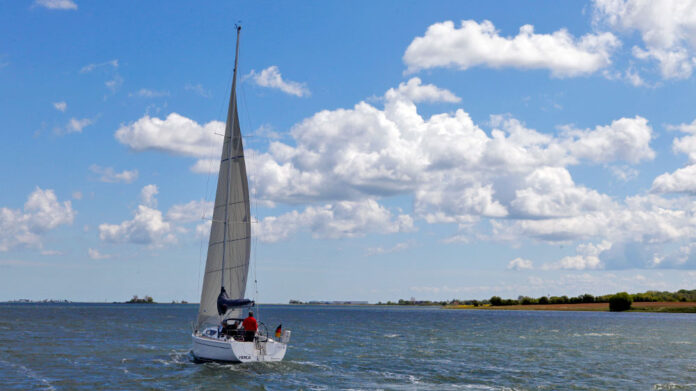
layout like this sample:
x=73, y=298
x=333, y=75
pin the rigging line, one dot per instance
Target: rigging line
x=200, y=260
x=256, y=285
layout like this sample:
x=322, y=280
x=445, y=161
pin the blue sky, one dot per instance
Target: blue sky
x=395, y=149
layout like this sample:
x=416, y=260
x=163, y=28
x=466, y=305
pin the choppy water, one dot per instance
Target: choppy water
x=91, y=347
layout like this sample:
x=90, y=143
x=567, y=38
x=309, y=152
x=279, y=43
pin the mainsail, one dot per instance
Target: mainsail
x=229, y=247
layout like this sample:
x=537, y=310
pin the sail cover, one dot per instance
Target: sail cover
x=229, y=247
x=224, y=303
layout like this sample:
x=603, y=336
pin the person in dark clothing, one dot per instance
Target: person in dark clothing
x=250, y=326
x=229, y=329
x=233, y=330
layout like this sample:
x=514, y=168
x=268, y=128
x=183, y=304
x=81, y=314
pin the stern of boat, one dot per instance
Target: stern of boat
x=207, y=346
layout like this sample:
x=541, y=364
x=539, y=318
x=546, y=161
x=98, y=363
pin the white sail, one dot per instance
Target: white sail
x=229, y=246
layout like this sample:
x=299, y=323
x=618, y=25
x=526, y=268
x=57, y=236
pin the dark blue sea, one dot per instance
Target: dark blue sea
x=136, y=347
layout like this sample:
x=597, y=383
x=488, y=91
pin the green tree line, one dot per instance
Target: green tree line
x=681, y=295
x=145, y=300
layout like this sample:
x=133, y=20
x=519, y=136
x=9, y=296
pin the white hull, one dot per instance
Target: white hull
x=207, y=348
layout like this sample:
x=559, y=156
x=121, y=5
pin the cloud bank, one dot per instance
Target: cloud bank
x=667, y=29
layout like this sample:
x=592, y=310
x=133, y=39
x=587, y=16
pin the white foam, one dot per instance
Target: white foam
x=30, y=374
x=674, y=386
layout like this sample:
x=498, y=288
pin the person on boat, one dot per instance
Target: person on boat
x=250, y=326
x=230, y=329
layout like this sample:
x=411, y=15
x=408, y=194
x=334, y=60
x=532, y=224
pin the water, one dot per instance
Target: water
x=133, y=347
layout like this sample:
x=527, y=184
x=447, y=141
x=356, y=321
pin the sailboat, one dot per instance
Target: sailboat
x=217, y=335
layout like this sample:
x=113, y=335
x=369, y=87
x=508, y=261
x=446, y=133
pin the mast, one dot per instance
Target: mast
x=230, y=119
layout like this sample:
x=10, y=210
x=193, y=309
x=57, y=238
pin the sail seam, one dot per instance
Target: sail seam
x=230, y=203
x=228, y=240
x=227, y=268
x=232, y=158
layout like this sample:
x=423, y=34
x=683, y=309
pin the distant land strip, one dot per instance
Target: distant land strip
x=682, y=301
x=655, y=306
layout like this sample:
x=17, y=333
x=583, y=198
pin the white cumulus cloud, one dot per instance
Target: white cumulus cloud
x=414, y=91
x=95, y=254
x=685, y=144
x=147, y=195
x=206, y=166
x=396, y=248
x=476, y=44
x=75, y=125
x=90, y=67
x=550, y=192
x=682, y=180
x=667, y=28
x=175, y=134
x=625, y=139
x=109, y=175
x=192, y=211
x=198, y=89
x=146, y=227
x=60, y=106
x=587, y=258
x=42, y=212
x=650, y=220
x=115, y=83
x=338, y=220
x=149, y=226
x=520, y=264
x=271, y=78
x=56, y=4
x=449, y=164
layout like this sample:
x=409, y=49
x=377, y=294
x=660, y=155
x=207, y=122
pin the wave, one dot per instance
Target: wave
x=674, y=386
x=21, y=369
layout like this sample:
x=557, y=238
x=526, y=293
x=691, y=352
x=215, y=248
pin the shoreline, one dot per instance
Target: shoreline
x=655, y=306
